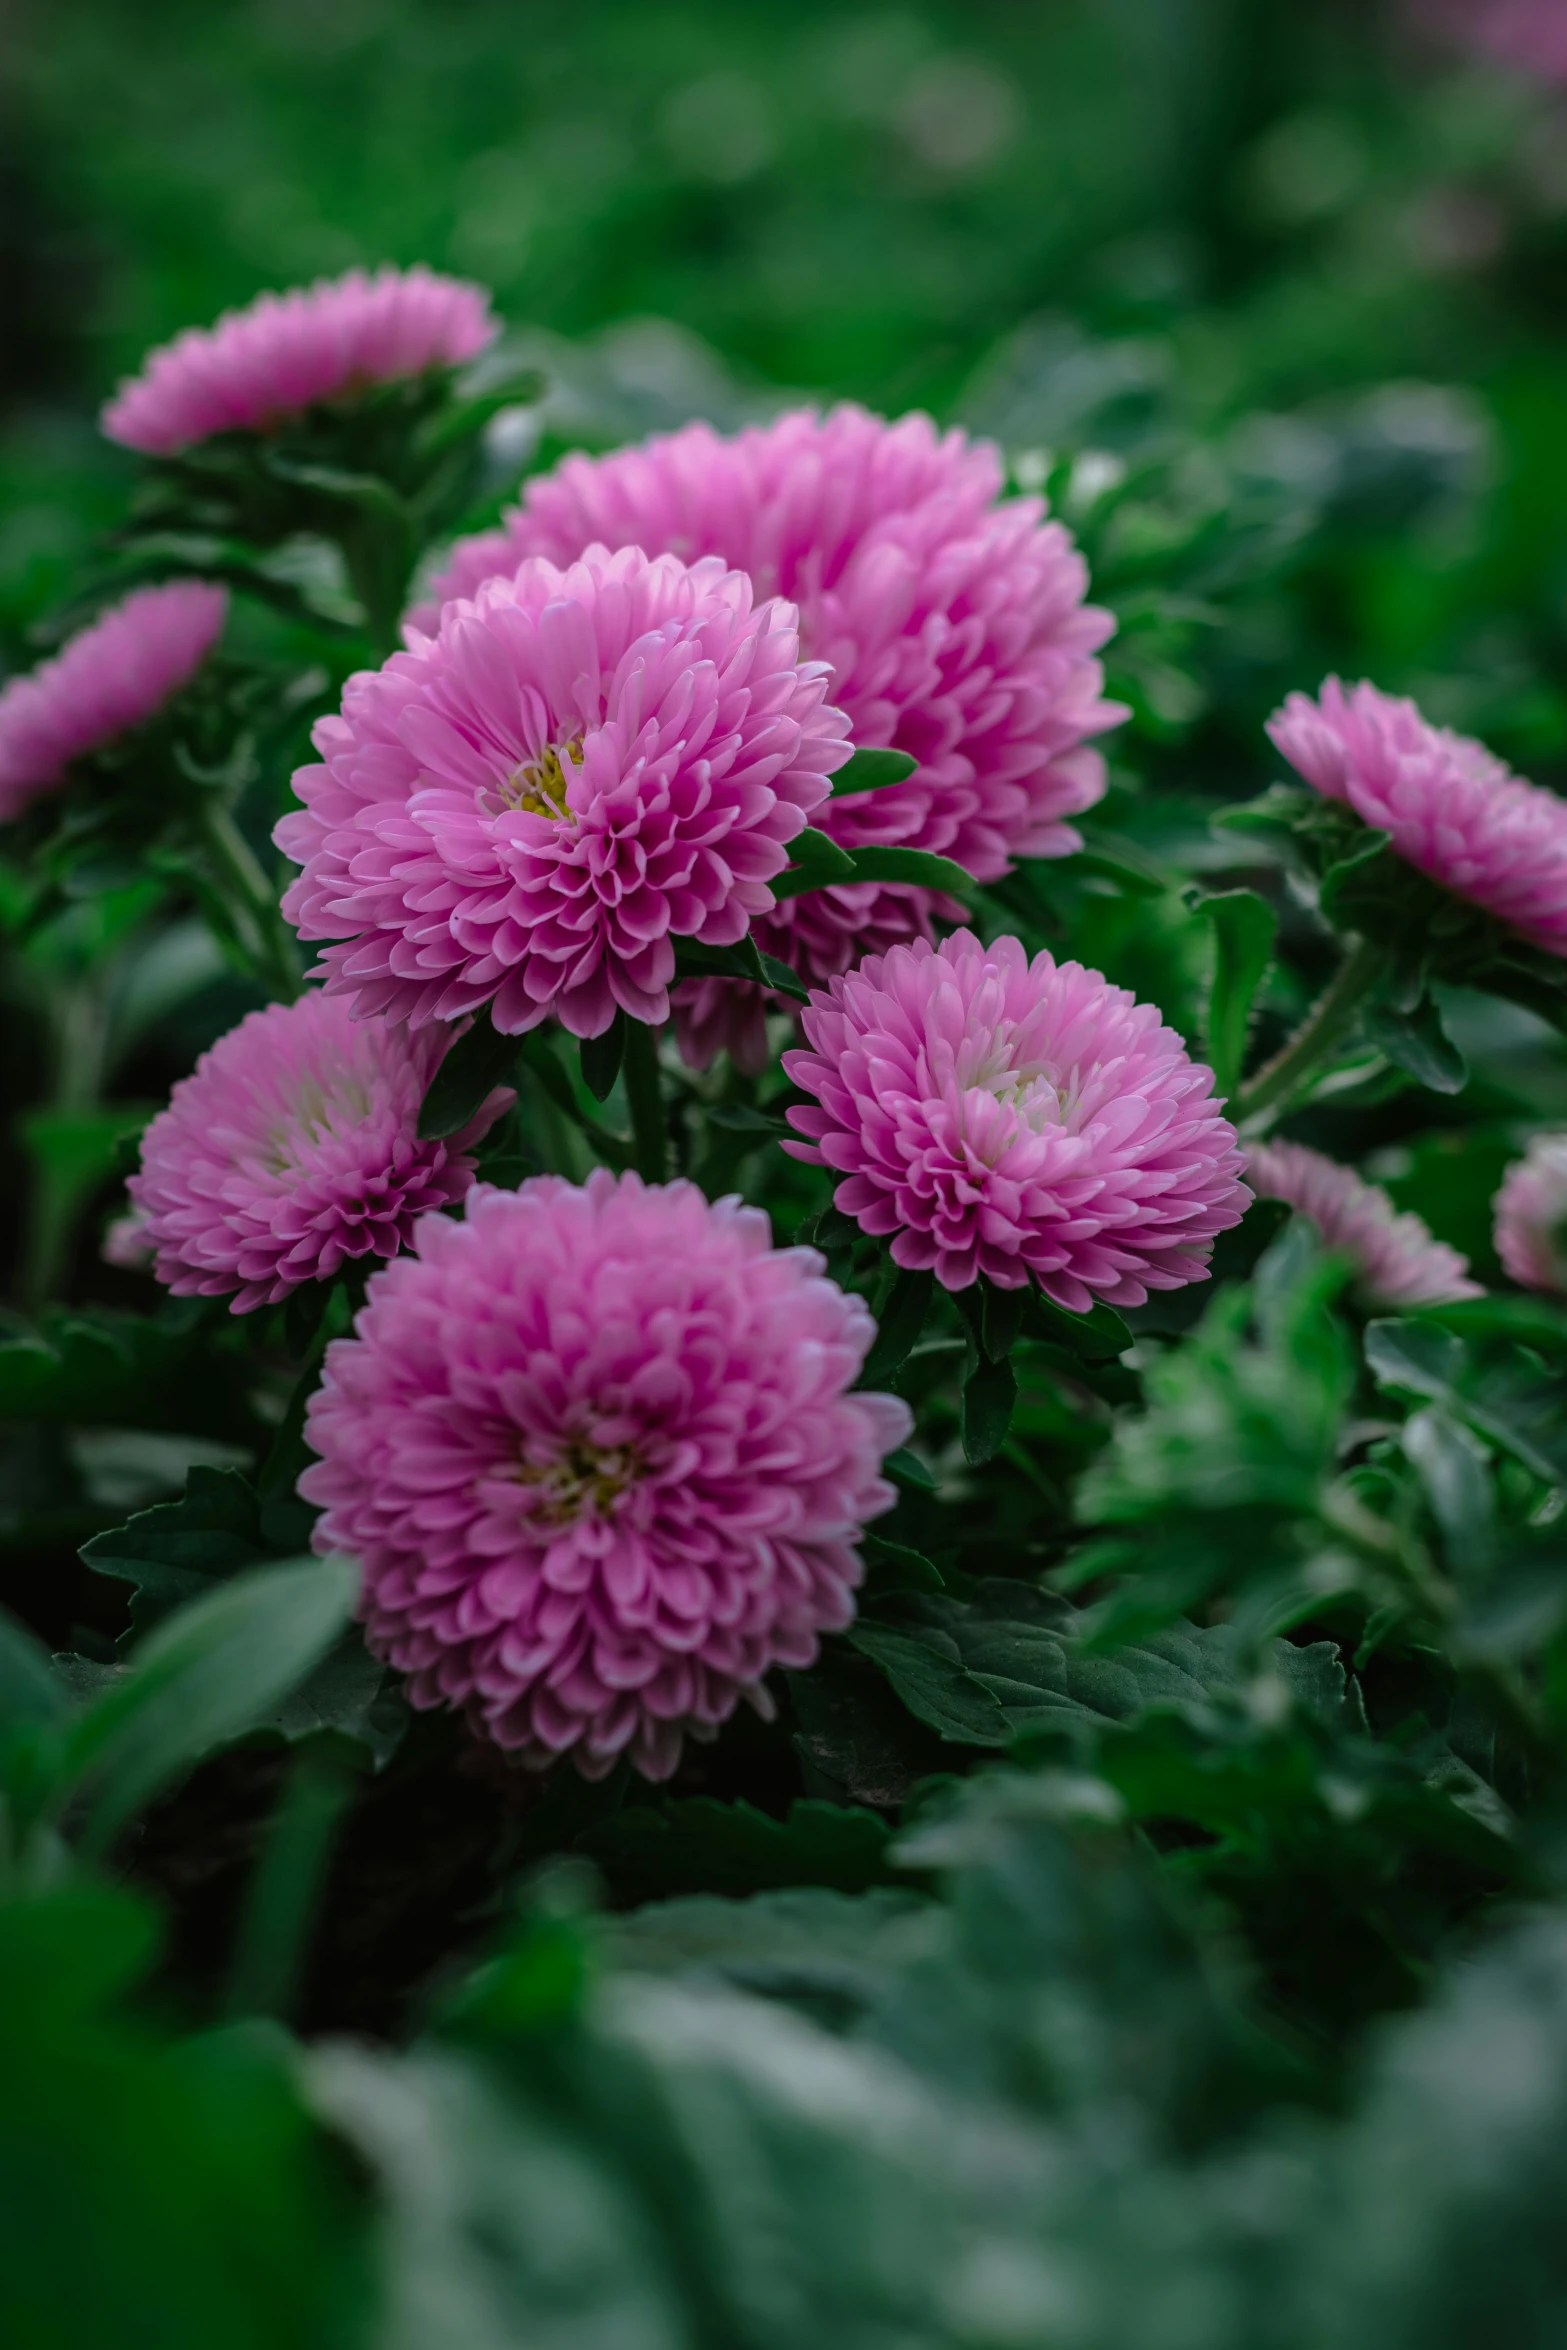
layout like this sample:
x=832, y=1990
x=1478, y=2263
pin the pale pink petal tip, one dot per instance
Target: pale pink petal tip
x=284, y=352
x=1397, y=1262
x=293, y=1149
x=1531, y=1217
x=595, y=1453
x=530, y=807
x=953, y=624
x=1452, y=810
x=1003, y=1118
x=112, y=677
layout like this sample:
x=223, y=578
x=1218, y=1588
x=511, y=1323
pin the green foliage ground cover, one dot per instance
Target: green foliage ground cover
x=1148, y=1925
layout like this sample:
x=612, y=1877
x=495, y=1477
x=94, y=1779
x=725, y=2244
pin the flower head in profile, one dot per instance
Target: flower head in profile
x=529, y=808
x=595, y=1453
x=1531, y=1217
x=292, y=1149
x=112, y=677
x=954, y=625
x=1008, y=1118
x=285, y=352
x=1397, y=1262
x=1451, y=809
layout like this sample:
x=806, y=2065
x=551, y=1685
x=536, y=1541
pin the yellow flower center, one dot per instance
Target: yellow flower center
x=538, y=786
x=585, y=1476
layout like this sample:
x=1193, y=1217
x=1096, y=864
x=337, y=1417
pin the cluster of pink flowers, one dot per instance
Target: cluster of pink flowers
x=529, y=808
x=292, y=1149
x=1396, y=1260
x=595, y=1451
x=1000, y=1117
x=112, y=677
x=285, y=352
x=1450, y=808
x=954, y=627
x=1531, y=1217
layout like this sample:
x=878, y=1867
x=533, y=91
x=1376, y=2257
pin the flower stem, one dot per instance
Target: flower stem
x=643, y=1093
x=250, y=900
x=1323, y=1030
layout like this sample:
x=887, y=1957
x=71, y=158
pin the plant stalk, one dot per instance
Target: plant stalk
x=1327, y=1024
x=645, y=1096
x=251, y=900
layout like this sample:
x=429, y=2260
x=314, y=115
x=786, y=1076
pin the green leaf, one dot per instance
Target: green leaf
x=601, y=1058
x=203, y=1677
x=1418, y=1042
x=920, y=868
x=97, y=1369
x=1120, y=861
x=349, y=1694
x=782, y=980
x=474, y=1066
x=1244, y=927
x=988, y=1395
x=176, y=1551
x=873, y=770
x=31, y=1692
x=1099, y=1336
x=1001, y=1319
x=700, y=1846
x=1502, y=1393
x=908, y=1469
x=815, y=853
x=898, y=1327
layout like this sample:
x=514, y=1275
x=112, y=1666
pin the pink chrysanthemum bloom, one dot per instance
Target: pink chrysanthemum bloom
x=1531, y=1217
x=1452, y=810
x=820, y=935
x=530, y=807
x=1005, y=1118
x=114, y=676
x=595, y=1454
x=294, y=1148
x=1397, y=1262
x=954, y=626
x=284, y=352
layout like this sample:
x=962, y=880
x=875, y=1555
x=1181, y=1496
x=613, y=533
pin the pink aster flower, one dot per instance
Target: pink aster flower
x=292, y=1149
x=1531, y=1217
x=114, y=676
x=954, y=626
x=1002, y=1117
x=595, y=1453
x=1397, y=1262
x=531, y=806
x=1451, y=809
x=285, y=352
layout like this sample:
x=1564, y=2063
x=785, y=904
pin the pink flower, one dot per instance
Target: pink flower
x=285, y=352
x=1531, y=1216
x=954, y=627
x=112, y=677
x=1452, y=810
x=820, y=934
x=1006, y=1118
x=292, y=1149
x=531, y=806
x=1397, y=1263
x=125, y=1243
x=595, y=1453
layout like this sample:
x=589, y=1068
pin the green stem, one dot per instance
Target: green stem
x=1278, y=1082
x=284, y=1892
x=643, y=1093
x=251, y=900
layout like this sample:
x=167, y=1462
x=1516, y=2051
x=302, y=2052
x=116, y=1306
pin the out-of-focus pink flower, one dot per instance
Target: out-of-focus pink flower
x=595, y=1454
x=1397, y=1262
x=954, y=626
x=820, y=934
x=292, y=1149
x=1004, y=1118
x=284, y=352
x=1529, y=34
x=1451, y=809
x=113, y=676
x=1531, y=1217
x=530, y=807
x=125, y=1243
